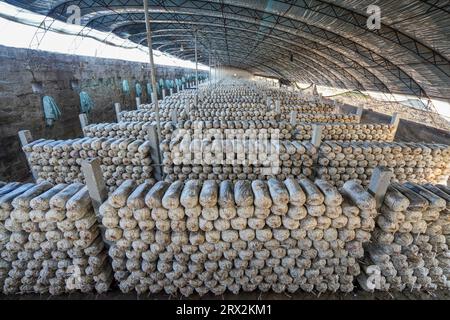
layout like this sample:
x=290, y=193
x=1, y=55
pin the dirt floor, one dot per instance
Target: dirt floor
x=357, y=295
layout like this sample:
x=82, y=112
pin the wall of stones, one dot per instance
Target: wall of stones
x=21, y=108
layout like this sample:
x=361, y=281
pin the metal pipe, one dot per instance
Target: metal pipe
x=153, y=71
x=196, y=61
x=209, y=62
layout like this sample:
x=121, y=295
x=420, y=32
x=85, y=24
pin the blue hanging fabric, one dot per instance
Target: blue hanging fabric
x=160, y=86
x=125, y=87
x=51, y=110
x=86, y=102
x=138, y=90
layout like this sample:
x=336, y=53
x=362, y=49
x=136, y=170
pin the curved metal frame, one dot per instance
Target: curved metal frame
x=279, y=21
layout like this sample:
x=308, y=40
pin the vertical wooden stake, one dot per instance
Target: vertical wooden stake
x=163, y=93
x=359, y=112
x=83, y=120
x=98, y=193
x=171, y=91
x=25, y=138
x=268, y=103
x=278, y=106
x=379, y=183
x=174, y=116
x=294, y=118
x=316, y=137
x=95, y=182
x=138, y=102
x=395, y=120
x=155, y=152
x=118, y=109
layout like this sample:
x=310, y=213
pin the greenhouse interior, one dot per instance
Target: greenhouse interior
x=225, y=149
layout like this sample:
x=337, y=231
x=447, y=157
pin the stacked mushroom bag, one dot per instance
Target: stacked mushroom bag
x=199, y=237
x=121, y=159
x=410, y=243
x=134, y=130
x=415, y=162
x=302, y=107
x=249, y=127
x=51, y=241
x=348, y=132
x=212, y=158
x=328, y=118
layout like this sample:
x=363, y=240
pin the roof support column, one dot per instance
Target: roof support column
x=196, y=61
x=153, y=71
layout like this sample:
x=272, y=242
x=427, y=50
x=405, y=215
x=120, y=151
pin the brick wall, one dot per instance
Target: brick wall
x=20, y=108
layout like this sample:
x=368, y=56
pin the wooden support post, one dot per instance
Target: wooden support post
x=25, y=138
x=381, y=178
x=138, y=102
x=395, y=120
x=359, y=111
x=268, y=102
x=182, y=86
x=316, y=137
x=83, y=120
x=163, y=93
x=178, y=88
x=294, y=118
x=94, y=181
x=118, y=109
x=187, y=109
x=278, y=106
x=174, y=116
x=155, y=152
x=98, y=193
x=171, y=91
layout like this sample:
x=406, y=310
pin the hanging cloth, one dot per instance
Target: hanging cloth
x=138, y=90
x=125, y=87
x=86, y=102
x=51, y=110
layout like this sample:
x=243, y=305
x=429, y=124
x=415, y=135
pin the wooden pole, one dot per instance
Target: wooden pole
x=381, y=178
x=196, y=61
x=155, y=153
x=293, y=118
x=316, y=137
x=95, y=182
x=152, y=67
x=25, y=138
x=83, y=120
x=118, y=109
